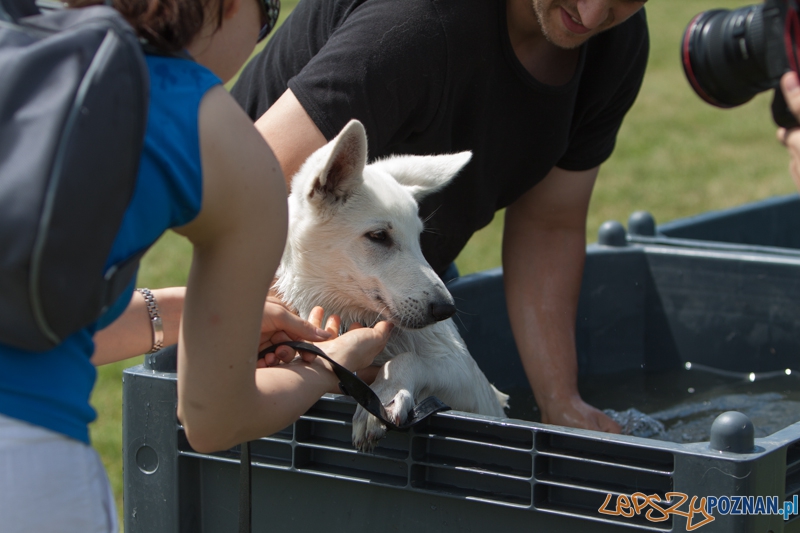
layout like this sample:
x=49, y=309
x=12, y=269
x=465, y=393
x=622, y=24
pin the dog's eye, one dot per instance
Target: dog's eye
x=378, y=236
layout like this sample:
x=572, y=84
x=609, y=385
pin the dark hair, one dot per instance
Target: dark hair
x=169, y=25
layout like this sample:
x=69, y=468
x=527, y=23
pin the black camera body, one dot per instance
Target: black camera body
x=729, y=56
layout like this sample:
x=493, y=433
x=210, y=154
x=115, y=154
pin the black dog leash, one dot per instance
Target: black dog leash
x=350, y=385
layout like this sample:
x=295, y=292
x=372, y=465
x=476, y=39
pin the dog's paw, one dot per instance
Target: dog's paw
x=368, y=430
x=400, y=407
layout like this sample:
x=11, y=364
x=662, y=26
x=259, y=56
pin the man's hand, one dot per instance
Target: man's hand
x=791, y=138
x=574, y=412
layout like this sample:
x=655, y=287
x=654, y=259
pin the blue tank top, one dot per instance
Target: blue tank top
x=51, y=389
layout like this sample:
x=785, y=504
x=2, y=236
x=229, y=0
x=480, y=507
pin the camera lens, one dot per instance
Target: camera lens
x=724, y=55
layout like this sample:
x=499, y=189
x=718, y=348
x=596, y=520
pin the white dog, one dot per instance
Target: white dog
x=353, y=248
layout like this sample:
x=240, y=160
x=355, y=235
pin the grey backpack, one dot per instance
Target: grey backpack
x=73, y=108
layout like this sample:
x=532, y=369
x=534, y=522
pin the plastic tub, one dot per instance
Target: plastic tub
x=643, y=308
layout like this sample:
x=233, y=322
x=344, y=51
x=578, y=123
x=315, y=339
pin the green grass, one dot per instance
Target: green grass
x=675, y=157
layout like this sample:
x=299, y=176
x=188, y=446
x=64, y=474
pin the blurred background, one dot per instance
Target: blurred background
x=675, y=157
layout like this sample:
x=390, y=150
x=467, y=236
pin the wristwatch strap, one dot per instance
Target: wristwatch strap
x=155, y=319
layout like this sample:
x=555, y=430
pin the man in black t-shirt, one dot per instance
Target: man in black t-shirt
x=536, y=89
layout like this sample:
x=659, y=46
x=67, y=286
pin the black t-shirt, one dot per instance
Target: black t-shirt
x=440, y=76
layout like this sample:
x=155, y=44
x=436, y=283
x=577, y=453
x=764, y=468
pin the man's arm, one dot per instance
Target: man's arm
x=544, y=248
x=290, y=133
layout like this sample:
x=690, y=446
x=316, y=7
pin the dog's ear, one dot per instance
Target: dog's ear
x=424, y=174
x=337, y=168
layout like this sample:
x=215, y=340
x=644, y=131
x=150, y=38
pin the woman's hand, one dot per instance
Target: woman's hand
x=357, y=348
x=791, y=138
x=279, y=324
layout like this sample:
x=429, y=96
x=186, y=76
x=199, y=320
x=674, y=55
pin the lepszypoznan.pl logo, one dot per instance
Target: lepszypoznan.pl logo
x=698, y=511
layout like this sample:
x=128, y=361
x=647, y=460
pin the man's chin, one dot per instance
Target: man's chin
x=566, y=40
x=571, y=44
x=558, y=35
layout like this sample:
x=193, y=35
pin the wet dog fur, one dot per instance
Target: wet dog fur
x=353, y=248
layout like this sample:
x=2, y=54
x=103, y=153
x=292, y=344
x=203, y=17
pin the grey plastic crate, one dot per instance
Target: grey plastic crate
x=648, y=307
x=767, y=226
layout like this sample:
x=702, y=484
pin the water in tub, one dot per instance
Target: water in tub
x=680, y=405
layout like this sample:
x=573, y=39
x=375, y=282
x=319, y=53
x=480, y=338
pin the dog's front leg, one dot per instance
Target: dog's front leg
x=396, y=385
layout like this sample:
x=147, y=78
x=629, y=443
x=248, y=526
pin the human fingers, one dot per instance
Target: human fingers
x=278, y=318
x=781, y=136
x=315, y=316
x=278, y=336
x=790, y=138
x=574, y=412
x=605, y=423
x=281, y=325
x=284, y=353
x=357, y=348
x=275, y=299
x=269, y=359
x=332, y=326
x=790, y=85
x=384, y=328
x=270, y=338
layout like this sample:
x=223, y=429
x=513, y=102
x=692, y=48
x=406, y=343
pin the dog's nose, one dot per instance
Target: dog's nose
x=442, y=311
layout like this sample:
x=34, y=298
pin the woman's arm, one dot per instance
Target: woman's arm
x=131, y=334
x=238, y=240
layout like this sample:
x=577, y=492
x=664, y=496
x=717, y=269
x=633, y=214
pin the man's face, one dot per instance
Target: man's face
x=570, y=23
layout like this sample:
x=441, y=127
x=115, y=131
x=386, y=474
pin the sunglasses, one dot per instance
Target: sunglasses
x=270, y=10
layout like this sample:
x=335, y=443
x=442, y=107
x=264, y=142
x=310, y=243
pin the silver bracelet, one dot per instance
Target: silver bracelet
x=155, y=319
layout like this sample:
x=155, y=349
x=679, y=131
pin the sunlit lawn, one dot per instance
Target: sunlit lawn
x=675, y=157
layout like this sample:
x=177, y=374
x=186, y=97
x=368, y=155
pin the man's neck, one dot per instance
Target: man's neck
x=545, y=61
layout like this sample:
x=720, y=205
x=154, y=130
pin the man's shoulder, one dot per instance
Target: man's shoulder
x=468, y=16
x=447, y=15
x=412, y=10
x=373, y=23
